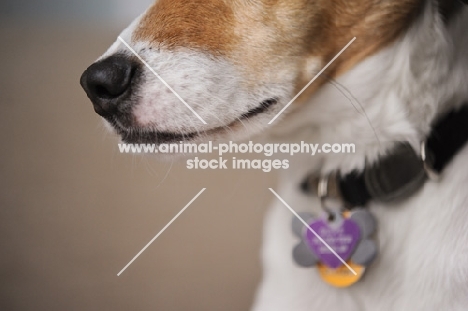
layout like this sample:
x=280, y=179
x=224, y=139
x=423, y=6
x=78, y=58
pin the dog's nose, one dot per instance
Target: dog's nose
x=108, y=82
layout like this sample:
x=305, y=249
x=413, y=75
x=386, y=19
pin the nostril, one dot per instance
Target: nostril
x=109, y=91
x=102, y=92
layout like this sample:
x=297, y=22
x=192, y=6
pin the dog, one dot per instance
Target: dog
x=237, y=63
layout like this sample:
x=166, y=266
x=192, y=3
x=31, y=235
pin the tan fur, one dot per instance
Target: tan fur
x=268, y=38
x=195, y=24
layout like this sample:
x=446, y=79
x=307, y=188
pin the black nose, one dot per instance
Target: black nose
x=108, y=83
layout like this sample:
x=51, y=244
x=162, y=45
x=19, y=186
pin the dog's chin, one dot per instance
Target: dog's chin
x=141, y=135
x=144, y=136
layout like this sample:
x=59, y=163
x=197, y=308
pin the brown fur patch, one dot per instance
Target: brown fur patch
x=268, y=39
x=375, y=24
x=205, y=25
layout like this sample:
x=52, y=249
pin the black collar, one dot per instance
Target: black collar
x=400, y=174
x=449, y=8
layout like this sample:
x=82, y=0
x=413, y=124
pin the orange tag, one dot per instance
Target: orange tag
x=342, y=276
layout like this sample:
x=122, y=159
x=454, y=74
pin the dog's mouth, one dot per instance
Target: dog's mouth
x=263, y=107
x=142, y=136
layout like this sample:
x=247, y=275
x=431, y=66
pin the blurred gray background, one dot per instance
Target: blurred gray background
x=112, y=11
x=73, y=211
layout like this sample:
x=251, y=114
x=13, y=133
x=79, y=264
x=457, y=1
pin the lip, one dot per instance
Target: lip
x=263, y=107
x=130, y=135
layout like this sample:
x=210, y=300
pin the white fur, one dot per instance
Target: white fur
x=422, y=263
x=390, y=97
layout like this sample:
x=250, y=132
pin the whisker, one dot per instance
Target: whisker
x=349, y=95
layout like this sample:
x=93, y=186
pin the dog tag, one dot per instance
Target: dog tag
x=303, y=256
x=342, y=276
x=349, y=235
x=365, y=221
x=341, y=234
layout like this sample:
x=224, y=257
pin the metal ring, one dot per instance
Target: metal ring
x=323, y=193
x=430, y=171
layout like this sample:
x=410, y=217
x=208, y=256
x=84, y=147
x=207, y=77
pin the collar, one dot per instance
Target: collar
x=400, y=174
x=449, y=8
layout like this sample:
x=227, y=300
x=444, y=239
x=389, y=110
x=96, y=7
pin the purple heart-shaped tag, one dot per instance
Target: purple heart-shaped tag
x=341, y=235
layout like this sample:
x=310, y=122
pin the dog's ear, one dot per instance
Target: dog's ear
x=450, y=8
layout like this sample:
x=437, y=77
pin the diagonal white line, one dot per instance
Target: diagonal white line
x=161, y=79
x=161, y=232
x=312, y=230
x=312, y=81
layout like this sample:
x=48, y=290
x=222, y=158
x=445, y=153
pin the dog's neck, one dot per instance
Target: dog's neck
x=390, y=97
